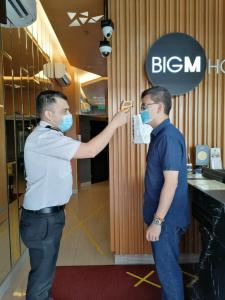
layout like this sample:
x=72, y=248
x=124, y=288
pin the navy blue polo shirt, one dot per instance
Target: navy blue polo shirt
x=166, y=152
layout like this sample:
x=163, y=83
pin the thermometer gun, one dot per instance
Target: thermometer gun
x=125, y=105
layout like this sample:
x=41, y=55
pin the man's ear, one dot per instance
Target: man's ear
x=160, y=107
x=48, y=115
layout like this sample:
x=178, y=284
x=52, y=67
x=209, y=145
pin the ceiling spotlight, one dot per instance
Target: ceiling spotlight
x=107, y=28
x=105, y=48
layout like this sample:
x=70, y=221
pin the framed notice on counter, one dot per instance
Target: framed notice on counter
x=215, y=158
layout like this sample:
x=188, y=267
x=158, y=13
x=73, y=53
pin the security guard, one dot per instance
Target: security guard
x=47, y=156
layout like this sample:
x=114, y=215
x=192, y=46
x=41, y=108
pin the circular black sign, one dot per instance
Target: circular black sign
x=177, y=62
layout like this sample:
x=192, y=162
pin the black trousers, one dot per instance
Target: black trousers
x=41, y=233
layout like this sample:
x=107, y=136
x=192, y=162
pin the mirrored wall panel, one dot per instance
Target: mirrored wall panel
x=5, y=263
x=22, y=80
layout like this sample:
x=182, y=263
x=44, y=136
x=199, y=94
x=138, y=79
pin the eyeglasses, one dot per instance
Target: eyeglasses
x=145, y=105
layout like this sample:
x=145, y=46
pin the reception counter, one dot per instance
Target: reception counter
x=208, y=208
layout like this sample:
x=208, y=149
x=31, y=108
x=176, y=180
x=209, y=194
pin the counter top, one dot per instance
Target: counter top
x=195, y=176
x=208, y=184
x=213, y=188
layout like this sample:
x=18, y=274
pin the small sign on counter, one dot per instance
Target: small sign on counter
x=215, y=158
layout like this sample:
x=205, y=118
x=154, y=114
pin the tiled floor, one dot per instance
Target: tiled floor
x=86, y=237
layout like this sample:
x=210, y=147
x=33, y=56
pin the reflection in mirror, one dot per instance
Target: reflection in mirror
x=5, y=262
x=6, y=34
x=20, y=135
x=10, y=126
x=22, y=246
x=11, y=159
x=23, y=109
x=5, y=247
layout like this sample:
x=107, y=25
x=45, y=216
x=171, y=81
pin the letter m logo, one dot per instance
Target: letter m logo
x=189, y=67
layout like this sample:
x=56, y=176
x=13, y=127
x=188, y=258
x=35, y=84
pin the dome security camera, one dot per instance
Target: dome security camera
x=107, y=28
x=105, y=48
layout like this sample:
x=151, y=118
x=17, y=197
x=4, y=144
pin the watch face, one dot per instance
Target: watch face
x=157, y=221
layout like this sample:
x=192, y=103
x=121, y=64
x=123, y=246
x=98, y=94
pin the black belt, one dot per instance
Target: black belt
x=46, y=210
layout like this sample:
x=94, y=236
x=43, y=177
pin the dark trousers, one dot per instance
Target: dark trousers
x=166, y=254
x=41, y=233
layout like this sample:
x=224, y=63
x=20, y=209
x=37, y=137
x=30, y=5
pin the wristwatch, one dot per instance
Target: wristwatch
x=157, y=221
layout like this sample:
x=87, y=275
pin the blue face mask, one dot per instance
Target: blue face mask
x=146, y=116
x=66, y=123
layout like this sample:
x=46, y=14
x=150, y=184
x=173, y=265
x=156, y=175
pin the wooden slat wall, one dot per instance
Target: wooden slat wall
x=199, y=114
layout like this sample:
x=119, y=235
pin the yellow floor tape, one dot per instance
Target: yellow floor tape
x=195, y=278
x=80, y=224
x=144, y=279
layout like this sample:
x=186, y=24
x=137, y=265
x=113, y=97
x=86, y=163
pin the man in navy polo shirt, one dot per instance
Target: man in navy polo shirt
x=166, y=206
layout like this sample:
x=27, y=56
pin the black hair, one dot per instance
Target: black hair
x=159, y=94
x=46, y=99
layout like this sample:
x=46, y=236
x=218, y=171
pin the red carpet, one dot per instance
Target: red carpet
x=105, y=283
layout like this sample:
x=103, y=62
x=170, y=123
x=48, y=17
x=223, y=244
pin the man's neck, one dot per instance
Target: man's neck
x=50, y=123
x=158, y=121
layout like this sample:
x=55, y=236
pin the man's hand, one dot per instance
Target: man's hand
x=126, y=105
x=153, y=233
x=120, y=118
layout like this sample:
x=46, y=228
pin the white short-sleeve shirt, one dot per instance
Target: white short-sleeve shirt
x=47, y=155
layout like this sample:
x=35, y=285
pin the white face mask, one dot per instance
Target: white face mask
x=66, y=123
x=141, y=131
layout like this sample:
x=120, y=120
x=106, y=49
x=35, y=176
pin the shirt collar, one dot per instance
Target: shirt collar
x=160, y=127
x=44, y=124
